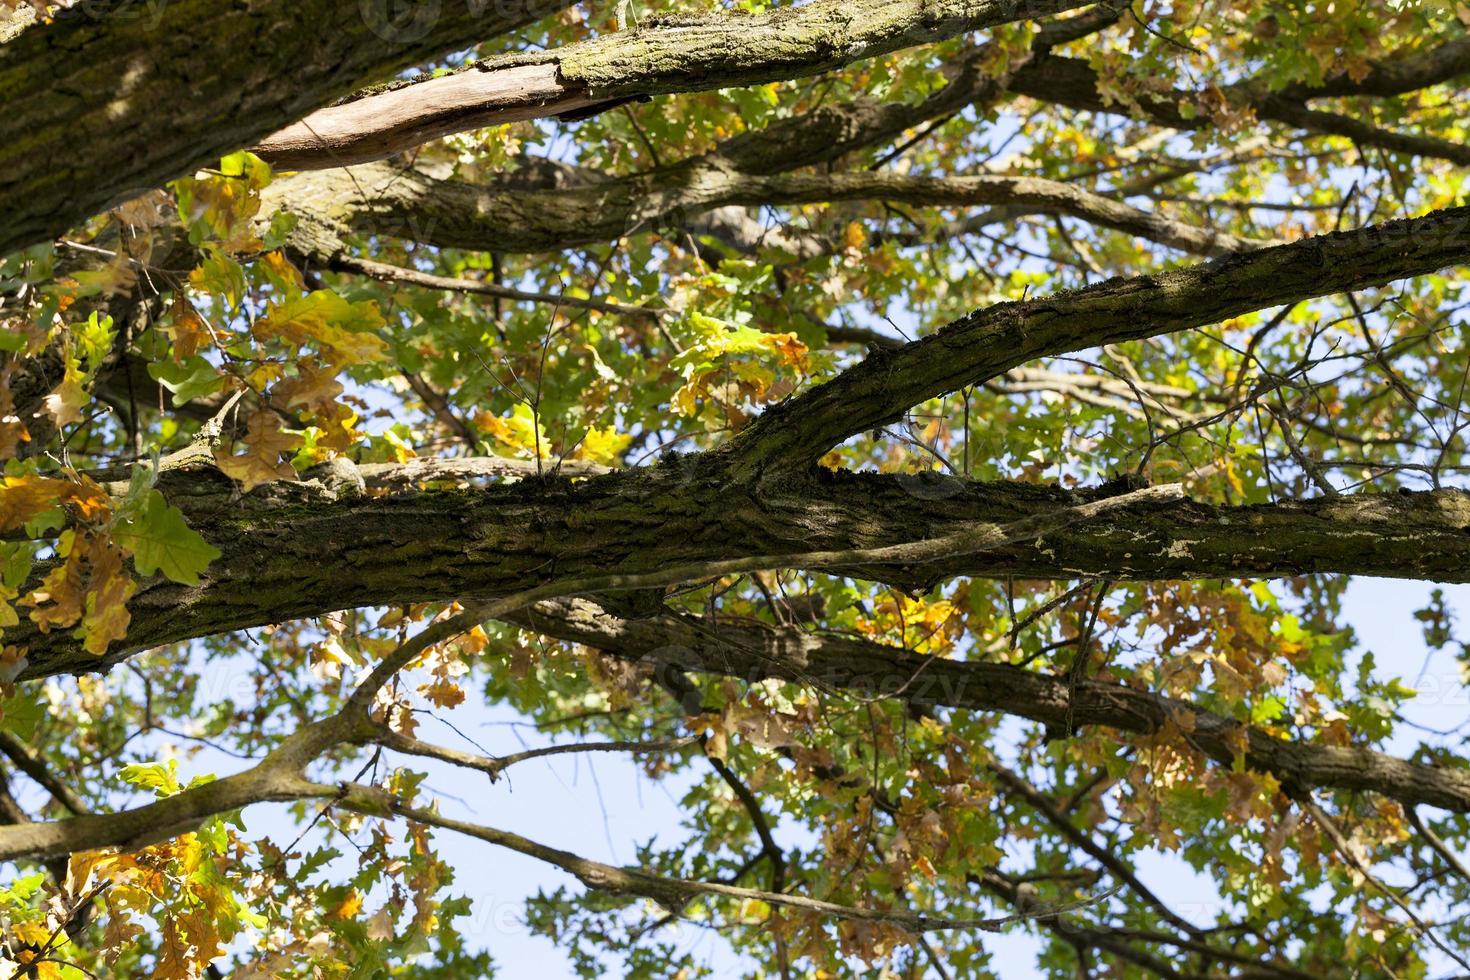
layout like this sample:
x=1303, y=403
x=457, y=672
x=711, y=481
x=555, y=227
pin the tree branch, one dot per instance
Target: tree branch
x=506, y=216
x=863, y=668
x=676, y=893
x=386, y=272
x=989, y=342
x=494, y=766
x=35, y=767
x=295, y=550
x=694, y=54
x=97, y=74
x=1072, y=82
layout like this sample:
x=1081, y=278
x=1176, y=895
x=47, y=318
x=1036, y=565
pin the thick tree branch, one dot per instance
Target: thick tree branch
x=684, y=55
x=294, y=550
x=989, y=342
x=1073, y=83
x=97, y=76
x=861, y=667
x=1395, y=75
x=506, y=217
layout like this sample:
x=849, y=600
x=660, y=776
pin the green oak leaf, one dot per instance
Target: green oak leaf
x=192, y=379
x=160, y=540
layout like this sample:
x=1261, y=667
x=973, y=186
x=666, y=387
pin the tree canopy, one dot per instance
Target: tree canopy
x=933, y=437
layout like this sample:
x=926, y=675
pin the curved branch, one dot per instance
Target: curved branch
x=868, y=669
x=683, y=55
x=1037, y=801
x=1028, y=195
x=989, y=342
x=278, y=777
x=503, y=217
x=676, y=893
x=34, y=766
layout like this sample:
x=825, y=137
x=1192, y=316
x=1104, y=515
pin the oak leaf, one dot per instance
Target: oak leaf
x=159, y=539
x=66, y=400
x=343, y=327
x=267, y=439
x=25, y=497
x=107, y=615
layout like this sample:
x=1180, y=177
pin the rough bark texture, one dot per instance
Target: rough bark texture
x=292, y=551
x=983, y=345
x=512, y=217
x=701, y=54
x=867, y=669
x=792, y=43
x=83, y=128
x=682, y=55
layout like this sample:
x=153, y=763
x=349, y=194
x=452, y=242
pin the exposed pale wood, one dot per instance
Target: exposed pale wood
x=380, y=125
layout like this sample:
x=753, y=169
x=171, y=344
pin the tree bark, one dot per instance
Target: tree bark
x=868, y=670
x=116, y=97
x=989, y=342
x=511, y=217
x=293, y=550
x=681, y=55
x=1072, y=82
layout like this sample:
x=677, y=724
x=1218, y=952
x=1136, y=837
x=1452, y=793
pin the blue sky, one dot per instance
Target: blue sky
x=602, y=806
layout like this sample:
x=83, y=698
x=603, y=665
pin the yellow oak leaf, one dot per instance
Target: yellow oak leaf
x=281, y=270
x=188, y=329
x=344, y=328
x=349, y=906
x=522, y=433
x=62, y=595
x=204, y=937
x=24, y=497
x=267, y=440
x=174, y=962
x=32, y=933
x=107, y=616
x=443, y=693
x=65, y=402
x=603, y=446
x=89, y=585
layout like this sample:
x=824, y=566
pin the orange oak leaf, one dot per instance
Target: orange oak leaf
x=267, y=440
